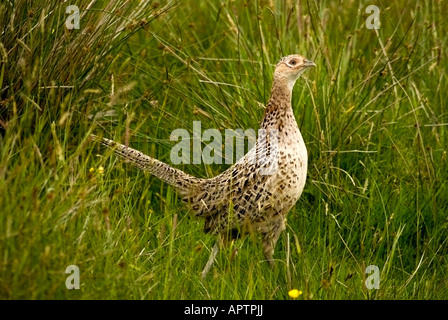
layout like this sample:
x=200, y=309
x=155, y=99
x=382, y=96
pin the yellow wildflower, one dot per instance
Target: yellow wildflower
x=91, y=170
x=294, y=293
x=101, y=170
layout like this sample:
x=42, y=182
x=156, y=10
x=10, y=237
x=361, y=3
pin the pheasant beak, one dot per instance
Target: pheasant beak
x=308, y=63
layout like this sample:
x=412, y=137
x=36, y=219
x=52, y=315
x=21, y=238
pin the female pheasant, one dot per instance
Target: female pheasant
x=257, y=192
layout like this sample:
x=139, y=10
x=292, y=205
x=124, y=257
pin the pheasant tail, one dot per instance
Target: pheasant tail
x=184, y=183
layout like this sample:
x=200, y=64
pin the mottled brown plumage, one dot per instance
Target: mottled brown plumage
x=256, y=193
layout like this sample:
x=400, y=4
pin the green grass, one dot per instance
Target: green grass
x=373, y=115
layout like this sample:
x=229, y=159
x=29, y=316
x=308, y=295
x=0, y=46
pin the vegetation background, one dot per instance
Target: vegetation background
x=373, y=115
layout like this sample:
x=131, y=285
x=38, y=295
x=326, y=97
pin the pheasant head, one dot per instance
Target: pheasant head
x=289, y=69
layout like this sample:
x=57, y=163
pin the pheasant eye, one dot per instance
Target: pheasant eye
x=293, y=62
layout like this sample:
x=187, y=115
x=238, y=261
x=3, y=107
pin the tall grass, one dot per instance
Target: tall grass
x=373, y=115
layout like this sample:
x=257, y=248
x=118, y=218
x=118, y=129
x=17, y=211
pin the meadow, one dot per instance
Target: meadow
x=373, y=114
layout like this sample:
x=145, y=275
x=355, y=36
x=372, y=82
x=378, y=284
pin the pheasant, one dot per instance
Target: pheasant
x=257, y=192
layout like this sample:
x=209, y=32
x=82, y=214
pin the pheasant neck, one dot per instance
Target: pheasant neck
x=278, y=110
